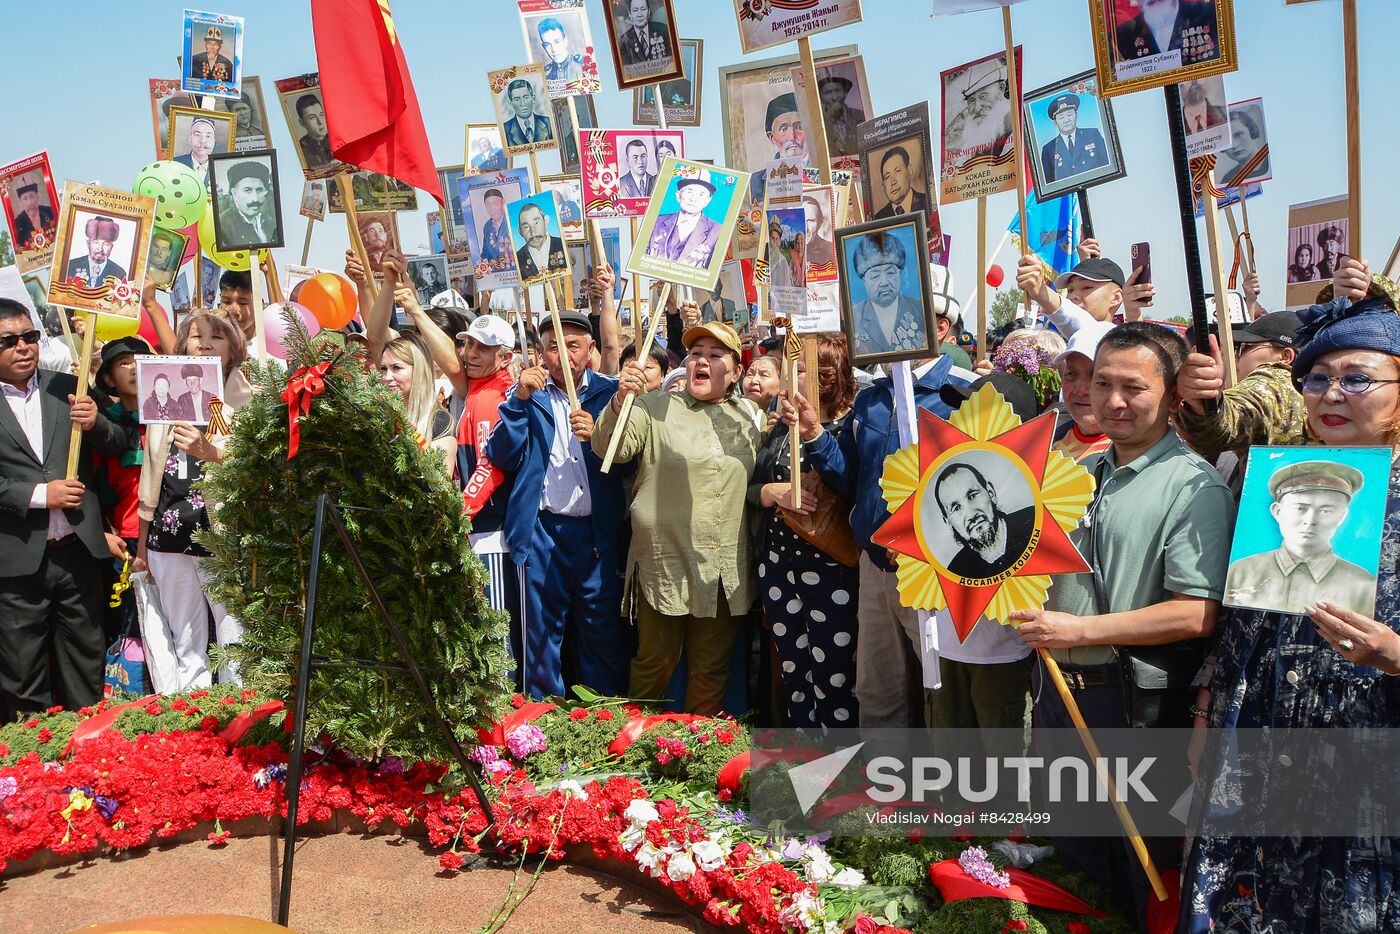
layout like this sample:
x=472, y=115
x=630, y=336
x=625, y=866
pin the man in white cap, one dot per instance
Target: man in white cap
x=1082, y=436
x=983, y=125
x=947, y=317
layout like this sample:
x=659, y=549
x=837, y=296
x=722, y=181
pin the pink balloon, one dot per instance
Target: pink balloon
x=995, y=275
x=275, y=326
x=192, y=231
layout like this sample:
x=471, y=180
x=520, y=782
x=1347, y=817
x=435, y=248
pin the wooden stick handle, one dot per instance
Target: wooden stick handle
x=564, y=366
x=641, y=358
x=817, y=133
x=1353, y=99
x=306, y=244
x=274, y=286
x=1218, y=278
x=660, y=107
x=982, y=277
x=1121, y=809
x=1013, y=82
x=352, y=225
x=75, y=437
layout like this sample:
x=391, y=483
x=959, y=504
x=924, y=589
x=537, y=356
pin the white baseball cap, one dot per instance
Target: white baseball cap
x=490, y=331
x=1085, y=340
x=941, y=285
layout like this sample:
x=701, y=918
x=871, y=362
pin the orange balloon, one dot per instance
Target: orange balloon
x=329, y=297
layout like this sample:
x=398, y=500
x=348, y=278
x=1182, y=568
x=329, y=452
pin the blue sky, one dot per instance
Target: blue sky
x=89, y=109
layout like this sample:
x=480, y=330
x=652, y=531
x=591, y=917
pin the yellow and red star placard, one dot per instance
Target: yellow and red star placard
x=1060, y=488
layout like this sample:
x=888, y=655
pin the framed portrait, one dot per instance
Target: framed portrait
x=680, y=96
x=461, y=279
x=250, y=116
x=484, y=199
x=568, y=134
x=30, y=200
x=195, y=135
x=374, y=192
x=762, y=26
x=535, y=235
x=165, y=256
x=620, y=168
x=979, y=153
x=306, y=118
x=1199, y=36
x=212, y=63
x=1205, y=116
x=100, y=254
x=182, y=294
x=175, y=390
x=484, y=151
x=1309, y=529
x=885, y=309
x=247, y=201
x=165, y=93
x=845, y=102
x=1319, y=235
x=436, y=243
x=379, y=230
x=568, y=197
x=782, y=262
x=522, y=109
x=1071, y=139
x=313, y=199
x=686, y=229
x=558, y=39
x=576, y=297
x=429, y=277
x=1246, y=160
x=454, y=227
x=897, y=172
x=642, y=36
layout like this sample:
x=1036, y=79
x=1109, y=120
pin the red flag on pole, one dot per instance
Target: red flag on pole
x=371, y=109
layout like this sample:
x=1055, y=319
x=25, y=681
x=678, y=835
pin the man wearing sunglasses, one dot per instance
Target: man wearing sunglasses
x=51, y=536
x=1262, y=407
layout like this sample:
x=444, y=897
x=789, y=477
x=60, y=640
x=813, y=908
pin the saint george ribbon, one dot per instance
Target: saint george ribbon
x=1201, y=180
x=218, y=424
x=304, y=384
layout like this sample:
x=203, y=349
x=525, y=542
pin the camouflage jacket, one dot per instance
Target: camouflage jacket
x=1262, y=408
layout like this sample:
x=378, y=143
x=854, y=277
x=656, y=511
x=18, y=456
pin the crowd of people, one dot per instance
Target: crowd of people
x=691, y=573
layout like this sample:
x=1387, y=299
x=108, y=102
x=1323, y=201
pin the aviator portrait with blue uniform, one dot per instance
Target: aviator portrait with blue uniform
x=1074, y=150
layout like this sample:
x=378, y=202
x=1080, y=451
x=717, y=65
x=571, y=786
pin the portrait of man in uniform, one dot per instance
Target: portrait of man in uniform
x=488, y=156
x=990, y=539
x=687, y=235
x=1073, y=151
x=32, y=216
x=561, y=63
x=540, y=253
x=315, y=142
x=643, y=40
x=841, y=117
x=1188, y=26
x=495, y=232
x=212, y=64
x=1311, y=500
x=163, y=260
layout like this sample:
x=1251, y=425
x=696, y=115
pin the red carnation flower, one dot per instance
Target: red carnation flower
x=578, y=713
x=218, y=838
x=1077, y=927
x=4, y=750
x=45, y=735
x=154, y=709
x=56, y=709
x=517, y=701
x=31, y=723
x=209, y=724
x=198, y=694
x=1014, y=924
x=451, y=860
x=725, y=794
x=605, y=715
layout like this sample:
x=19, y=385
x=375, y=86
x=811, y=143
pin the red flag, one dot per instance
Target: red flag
x=371, y=109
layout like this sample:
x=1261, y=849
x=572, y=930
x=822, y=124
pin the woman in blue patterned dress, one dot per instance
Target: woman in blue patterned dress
x=1327, y=668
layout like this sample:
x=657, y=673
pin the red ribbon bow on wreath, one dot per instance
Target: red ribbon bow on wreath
x=304, y=384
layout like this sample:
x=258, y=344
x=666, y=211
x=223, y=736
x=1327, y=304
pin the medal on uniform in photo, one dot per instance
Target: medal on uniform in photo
x=1037, y=496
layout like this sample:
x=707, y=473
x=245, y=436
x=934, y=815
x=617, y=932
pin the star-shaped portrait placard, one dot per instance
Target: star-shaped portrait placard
x=981, y=508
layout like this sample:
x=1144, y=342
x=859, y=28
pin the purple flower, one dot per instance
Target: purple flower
x=8, y=786
x=524, y=741
x=500, y=765
x=793, y=848
x=393, y=765
x=739, y=817
x=974, y=862
x=170, y=521
x=481, y=755
x=105, y=806
x=195, y=499
x=172, y=464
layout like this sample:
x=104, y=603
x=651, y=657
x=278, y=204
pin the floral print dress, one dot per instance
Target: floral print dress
x=1275, y=670
x=180, y=511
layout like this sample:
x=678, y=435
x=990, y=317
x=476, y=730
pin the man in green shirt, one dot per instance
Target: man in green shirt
x=1157, y=538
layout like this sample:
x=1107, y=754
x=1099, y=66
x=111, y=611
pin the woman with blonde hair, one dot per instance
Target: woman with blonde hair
x=404, y=367
x=172, y=510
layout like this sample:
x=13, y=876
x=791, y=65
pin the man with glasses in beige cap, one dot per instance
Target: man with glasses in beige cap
x=1311, y=501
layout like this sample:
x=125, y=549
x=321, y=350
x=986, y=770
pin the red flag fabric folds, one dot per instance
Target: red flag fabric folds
x=371, y=109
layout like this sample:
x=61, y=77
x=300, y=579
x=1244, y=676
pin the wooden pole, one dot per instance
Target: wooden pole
x=1217, y=272
x=982, y=276
x=1092, y=747
x=817, y=135
x=660, y=107
x=306, y=244
x=197, y=298
x=642, y=352
x=75, y=436
x=1017, y=133
x=637, y=301
x=535, y=171
x=1353, y=99
x=352, y=225
x=564, y=365
x=259, y=349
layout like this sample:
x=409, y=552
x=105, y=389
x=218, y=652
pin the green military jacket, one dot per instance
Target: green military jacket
x=1262, y=408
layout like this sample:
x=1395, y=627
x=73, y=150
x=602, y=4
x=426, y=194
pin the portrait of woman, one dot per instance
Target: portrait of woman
x=160, y=405
x=1302, y=269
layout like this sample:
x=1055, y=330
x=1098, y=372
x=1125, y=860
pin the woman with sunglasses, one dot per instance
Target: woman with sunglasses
x=172, y=509
x=1326, y=667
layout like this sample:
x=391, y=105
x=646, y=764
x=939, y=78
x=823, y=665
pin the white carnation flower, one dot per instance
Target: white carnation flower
x=848, y=878
x=709, y=854
x=641, y=812
x=632, y=838
x=680, y=867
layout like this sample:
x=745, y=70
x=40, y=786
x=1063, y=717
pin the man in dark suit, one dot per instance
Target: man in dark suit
x=895, y=176
x=642, y=41
x=1073, y=150
x=1169, y=25
x=638, y=182
x=101, y=233
x=249, y=219
x=32, y=218
x=211, y=65
x=526, y=126
x=541, y=252
x=992, y=541
x=51, y=540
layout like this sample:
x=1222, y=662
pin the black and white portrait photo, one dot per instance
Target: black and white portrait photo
x=982, y=512
x=247, y=203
